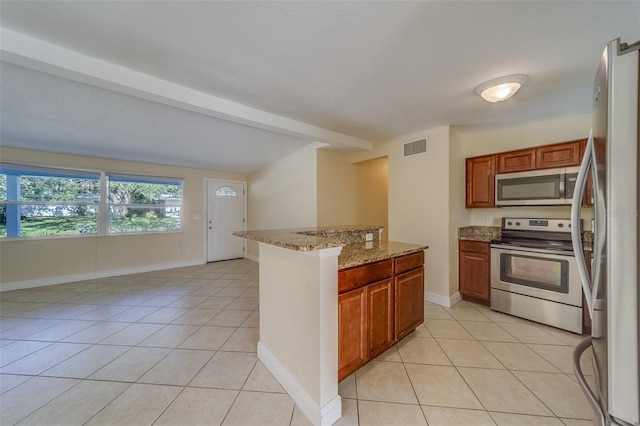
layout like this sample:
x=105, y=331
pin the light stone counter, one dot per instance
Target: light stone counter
x=355, y=250
x=307, y=239
x=362, y=253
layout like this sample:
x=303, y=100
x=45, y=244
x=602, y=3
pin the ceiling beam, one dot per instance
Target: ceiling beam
x=20, y=49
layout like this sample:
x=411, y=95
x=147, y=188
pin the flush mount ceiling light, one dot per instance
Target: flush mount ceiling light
x=501, y=89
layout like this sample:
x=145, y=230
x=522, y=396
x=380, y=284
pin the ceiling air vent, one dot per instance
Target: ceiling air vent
x=415, y=148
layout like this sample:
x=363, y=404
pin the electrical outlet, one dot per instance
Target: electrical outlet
x=368, y=237
x=188, y=248
x=197, y=217
x=488, y=220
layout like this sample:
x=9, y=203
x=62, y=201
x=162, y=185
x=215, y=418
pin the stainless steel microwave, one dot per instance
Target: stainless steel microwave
x=537, y=187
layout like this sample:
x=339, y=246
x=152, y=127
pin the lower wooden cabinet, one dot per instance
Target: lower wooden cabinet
x=352, y=331
x=409, y=301
x=474, y=270
x=375, y=315
x=380, y=310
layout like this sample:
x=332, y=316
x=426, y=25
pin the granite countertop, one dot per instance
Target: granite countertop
x=362, y=253
x=307, y=239
x=355, y=251
x=479, y=233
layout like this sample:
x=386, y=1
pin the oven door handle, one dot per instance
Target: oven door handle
x=576, y=229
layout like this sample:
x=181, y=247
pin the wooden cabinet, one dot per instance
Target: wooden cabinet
x=380, y=310
x=352, y=332
x=365, y=274
x=559, y=155
x=480, y=181
x=517, y=161
x=378, y=304
x=409, y=302
x=474, y=270
x=481, y=171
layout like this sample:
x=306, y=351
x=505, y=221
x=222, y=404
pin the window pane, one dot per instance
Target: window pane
x=226, y=191
x=3, y=187
x=122, y=192
x=39, y=188
x=138, y=219
x=42, y=220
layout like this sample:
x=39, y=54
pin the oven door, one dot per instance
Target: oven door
x=536, y=273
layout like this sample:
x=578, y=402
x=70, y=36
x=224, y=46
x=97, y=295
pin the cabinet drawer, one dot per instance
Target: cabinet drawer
x=359, y=276
x=409, y=262
x=475, y=246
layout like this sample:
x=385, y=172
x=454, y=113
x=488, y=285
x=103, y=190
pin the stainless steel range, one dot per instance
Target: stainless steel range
x=534, y=273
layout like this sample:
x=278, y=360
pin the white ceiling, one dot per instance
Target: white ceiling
x=235, y=85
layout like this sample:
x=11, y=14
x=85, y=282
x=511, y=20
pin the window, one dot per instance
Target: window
x=37, y=201
x=143, y=204
x=226, y=191
x=47, y=201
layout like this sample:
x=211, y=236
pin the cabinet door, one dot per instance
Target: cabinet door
x=379, y=317
x=474, y=274
x=409, y=302
x=352, y=334
x=559, y=155
x=480, y=177
x=517, y=161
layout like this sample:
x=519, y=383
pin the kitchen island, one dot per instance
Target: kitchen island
x=299, y=306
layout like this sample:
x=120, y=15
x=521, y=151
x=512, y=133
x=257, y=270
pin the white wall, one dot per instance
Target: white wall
x=284, y=193
x=41, y=261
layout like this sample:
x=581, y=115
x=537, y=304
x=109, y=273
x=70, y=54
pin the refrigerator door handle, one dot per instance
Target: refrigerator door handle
x=591, y=397
x=576, y=229
x=600, y=227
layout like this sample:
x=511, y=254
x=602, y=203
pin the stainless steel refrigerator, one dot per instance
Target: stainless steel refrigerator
x=612, y=289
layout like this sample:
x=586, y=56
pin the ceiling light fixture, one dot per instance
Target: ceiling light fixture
x=501, y=89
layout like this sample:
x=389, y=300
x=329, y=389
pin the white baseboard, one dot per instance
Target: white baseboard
x=445, y=301
x=252, y=257
x=63, y=279
x=319, y=416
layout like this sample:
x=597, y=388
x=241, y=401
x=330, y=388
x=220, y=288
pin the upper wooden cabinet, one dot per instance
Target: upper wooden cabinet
x=481, y=171
x=517, y=161
x=559, y=155
x=480, y=177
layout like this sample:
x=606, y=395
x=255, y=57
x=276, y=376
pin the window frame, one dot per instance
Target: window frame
x=101, y=206
x=142, y=179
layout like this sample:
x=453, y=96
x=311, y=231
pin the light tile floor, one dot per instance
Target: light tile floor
x=178, y=347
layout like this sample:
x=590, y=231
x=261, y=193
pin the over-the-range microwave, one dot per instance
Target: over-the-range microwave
x=537, y=187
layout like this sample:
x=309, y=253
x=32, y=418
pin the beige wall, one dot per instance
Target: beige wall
x=419, y=200
x=351, y=194
x=373, y=193
x=338, y=182
x=48, y=260
x=284, y=193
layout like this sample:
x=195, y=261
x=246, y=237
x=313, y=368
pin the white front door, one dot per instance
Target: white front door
x=225, y=215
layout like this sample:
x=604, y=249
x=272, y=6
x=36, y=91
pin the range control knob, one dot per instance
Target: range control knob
x=560, y=225
x=517, y=223
x=509, y=223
